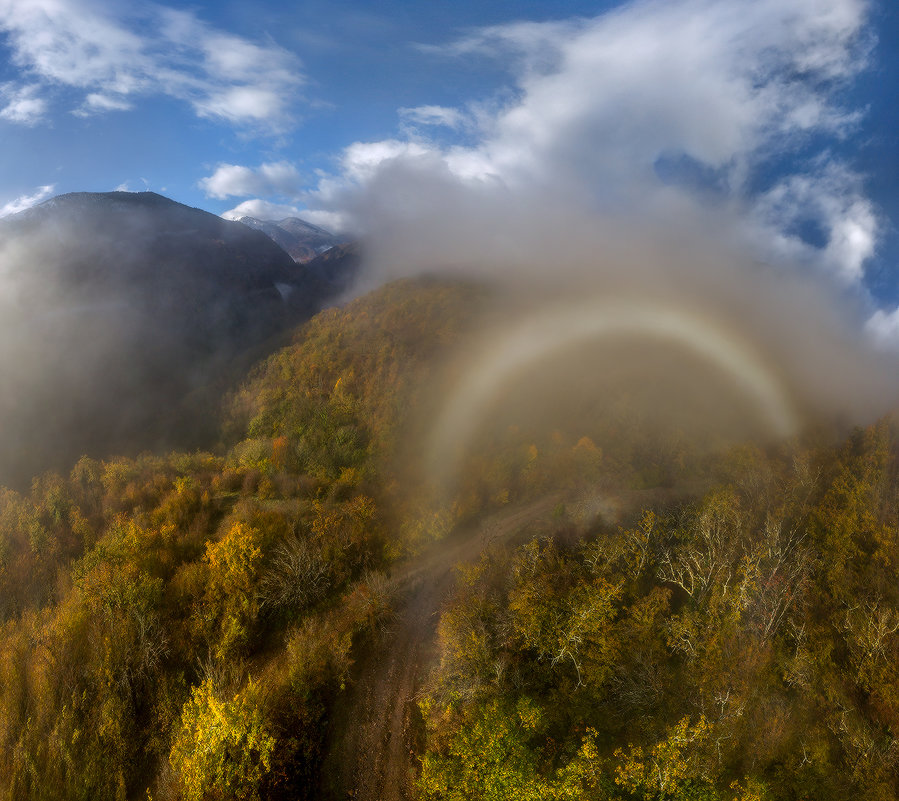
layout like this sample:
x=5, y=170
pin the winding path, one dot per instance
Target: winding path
x=373, y=752
x=375, y=725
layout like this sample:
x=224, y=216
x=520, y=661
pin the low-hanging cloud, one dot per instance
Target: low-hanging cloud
x=641, y=155
x=677, y=152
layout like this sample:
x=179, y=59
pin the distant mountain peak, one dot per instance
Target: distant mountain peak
x=302, y=240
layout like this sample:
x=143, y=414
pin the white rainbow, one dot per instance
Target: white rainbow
x=547, y=332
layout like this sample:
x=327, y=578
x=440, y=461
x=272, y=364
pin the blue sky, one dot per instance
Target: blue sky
x=777, y=120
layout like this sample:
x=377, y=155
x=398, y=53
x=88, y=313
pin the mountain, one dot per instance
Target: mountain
x=302, y=240
x=333, y=271
x=122, y=318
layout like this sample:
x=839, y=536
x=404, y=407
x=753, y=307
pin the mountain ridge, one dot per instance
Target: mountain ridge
x=127, y=315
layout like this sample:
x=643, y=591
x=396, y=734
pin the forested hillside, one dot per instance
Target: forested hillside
x=138, y=312
x=635, y=615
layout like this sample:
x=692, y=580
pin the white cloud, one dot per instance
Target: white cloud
x=265, y=210
x=362, y=159
x=27, y=201
x=233, y=180
x=261, y=210
x=114, y=52
x=532, y=44
x=242, y=104
x=883, y=328
x=714, y=79
x=831, y=198
x=433, y=115
x=598, y=104
x=97, y=103
x=21, y=104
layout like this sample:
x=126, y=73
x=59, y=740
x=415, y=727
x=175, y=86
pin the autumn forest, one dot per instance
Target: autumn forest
x=592, y=609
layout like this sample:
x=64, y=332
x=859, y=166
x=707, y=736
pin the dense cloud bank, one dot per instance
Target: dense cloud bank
x=636, y=159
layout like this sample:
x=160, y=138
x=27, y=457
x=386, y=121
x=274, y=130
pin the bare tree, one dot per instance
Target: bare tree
x=297, y=578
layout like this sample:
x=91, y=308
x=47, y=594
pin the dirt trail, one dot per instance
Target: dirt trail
x=372, y=755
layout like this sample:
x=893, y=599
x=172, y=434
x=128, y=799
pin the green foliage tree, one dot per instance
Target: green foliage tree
x=565, y=617
x=489, y=758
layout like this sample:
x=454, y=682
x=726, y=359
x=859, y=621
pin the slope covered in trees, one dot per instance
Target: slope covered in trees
x=741, y=646
x=139, y=312
x=664, y=620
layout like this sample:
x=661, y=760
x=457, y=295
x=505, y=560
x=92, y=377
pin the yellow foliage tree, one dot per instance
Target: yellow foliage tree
x=222, y=749
x=230, y=606
x=669, y=766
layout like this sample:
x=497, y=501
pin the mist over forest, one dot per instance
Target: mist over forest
x=124, y=318
x=566, y=533
x=506, y=408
